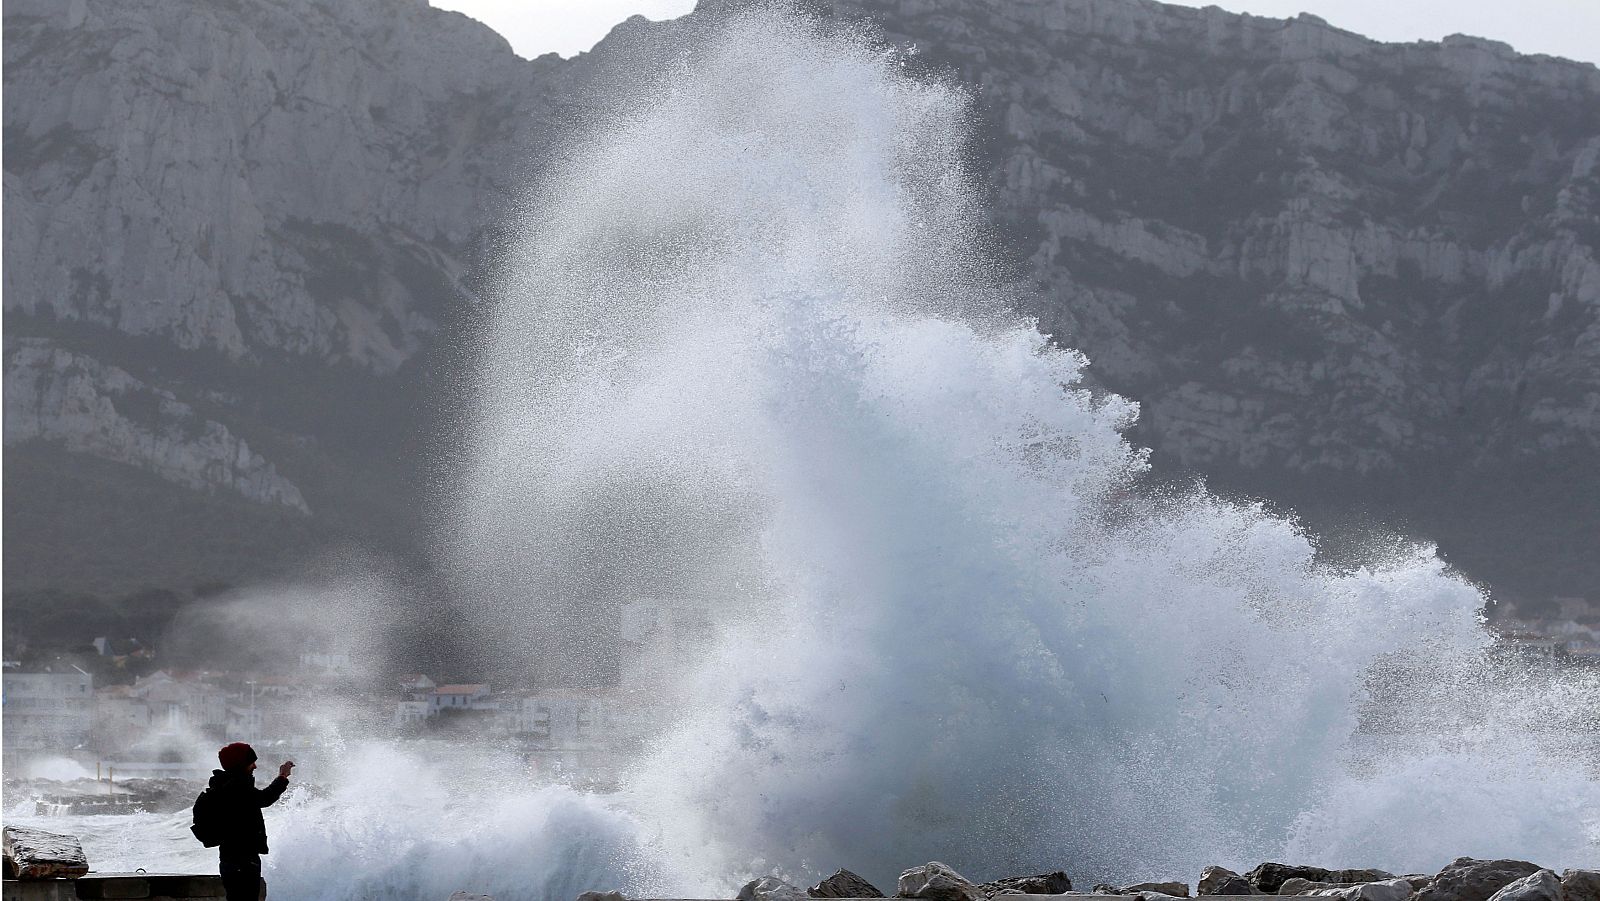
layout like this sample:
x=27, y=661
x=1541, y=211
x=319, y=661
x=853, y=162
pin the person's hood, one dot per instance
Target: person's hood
x=222, y=778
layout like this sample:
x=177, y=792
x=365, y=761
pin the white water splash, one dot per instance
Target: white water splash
x=754, y=357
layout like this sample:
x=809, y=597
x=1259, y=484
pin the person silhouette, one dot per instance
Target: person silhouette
x=237, y=805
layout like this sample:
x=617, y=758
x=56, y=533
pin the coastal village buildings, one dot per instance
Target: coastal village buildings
x=183, y=703
x=50, y=709
x=166, y=720
x=459, y=697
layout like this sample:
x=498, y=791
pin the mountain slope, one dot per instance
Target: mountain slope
x=1353, y=277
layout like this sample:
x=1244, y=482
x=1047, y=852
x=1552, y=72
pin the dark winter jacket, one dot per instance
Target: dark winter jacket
x=239, y=805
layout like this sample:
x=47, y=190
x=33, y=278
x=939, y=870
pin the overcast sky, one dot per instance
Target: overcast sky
x=1569, y=28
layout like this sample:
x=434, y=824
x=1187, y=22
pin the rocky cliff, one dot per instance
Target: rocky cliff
x=1356, y=277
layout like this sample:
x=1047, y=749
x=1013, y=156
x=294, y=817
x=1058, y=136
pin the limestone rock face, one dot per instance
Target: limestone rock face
x=282, y=195
x=1323, y=264
x=293, y=177
x=1270, y=135
x=1466, y=879
x=64, y=398
x=37, y=854
x=1315, y=259
x=1544, y=885
x=844, y=884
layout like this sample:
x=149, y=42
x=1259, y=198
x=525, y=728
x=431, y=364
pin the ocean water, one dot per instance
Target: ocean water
x=754, y=354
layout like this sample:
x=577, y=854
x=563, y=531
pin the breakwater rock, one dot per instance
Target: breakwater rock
x=1464, y=879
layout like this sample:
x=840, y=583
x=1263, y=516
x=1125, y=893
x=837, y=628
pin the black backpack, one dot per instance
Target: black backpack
x=207, y=819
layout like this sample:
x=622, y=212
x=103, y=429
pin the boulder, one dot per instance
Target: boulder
x=1544, y=885
x=844, y=884
x=1269, y=877
x=941, y=887
x=1581, y=885
x=1466, y=879
x=590, y=896
x=1295, y=885
x=37, y=854
x=1221, y=881
x=468, y=896
x=1171, y=889
x=1055, y=883
x=1385, y=890
x=1298, y=886
x=1420, y=881
x=1356, y=877
x=935, y=881
x=770, y=888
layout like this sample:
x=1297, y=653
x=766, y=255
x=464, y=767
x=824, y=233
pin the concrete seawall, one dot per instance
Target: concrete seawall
x=144, y=886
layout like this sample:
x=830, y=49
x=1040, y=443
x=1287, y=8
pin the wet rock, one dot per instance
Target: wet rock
x=1055, y=883
x=1356, y=877
x=940, y=887
x=1544, y=885
x=1269, y=877
x=1467, y=879
x=844, y=884
x=595, y=896
x=1296, y=885
x=1581, y=885
x=935, y=881
x=770, y=888
x=1222, y=881
x=1385, y=890
x=1170, y=889
x=37, y=854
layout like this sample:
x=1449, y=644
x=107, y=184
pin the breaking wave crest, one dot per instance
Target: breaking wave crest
x=754, y=357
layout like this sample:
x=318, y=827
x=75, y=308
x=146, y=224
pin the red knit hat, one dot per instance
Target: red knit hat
x=236, y=756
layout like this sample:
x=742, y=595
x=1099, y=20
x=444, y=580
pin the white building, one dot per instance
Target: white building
x=569, y=720
x=121, y=718
x=180, y=704
x=410, y=713
x=460, y=697
x=51, y=709
x=416, y=686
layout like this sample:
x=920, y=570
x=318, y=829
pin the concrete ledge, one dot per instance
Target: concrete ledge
x=99, y=886
x=38, y=890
